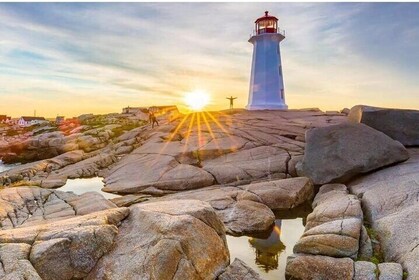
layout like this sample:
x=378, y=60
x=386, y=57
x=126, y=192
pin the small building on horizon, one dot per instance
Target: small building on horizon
x=25, y=121
x=59, y=120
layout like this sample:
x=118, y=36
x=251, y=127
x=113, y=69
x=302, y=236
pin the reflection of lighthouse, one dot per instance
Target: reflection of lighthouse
x=266, y=81
x=268, y=250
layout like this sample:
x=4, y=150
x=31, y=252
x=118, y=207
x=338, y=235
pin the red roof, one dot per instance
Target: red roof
x=266, y=16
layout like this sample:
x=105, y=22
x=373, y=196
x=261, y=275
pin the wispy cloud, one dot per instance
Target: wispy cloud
x=72, y=58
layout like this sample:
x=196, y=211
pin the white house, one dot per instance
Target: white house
x=29, y=121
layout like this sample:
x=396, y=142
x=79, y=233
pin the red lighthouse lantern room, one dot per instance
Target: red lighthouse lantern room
x=266, y=24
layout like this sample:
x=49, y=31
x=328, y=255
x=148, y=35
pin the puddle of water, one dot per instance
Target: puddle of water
x=80, y=186
x=5, y=167
x=268, y=256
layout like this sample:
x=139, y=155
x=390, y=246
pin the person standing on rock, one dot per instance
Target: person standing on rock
x=152, y=119
x=231, y=98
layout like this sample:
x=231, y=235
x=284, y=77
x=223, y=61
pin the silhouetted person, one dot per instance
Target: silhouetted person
x=231, y=98
x=153, y=120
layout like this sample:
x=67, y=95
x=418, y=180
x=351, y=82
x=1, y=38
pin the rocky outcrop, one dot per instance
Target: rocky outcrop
x=23, y=206
x=89, y=167
x=166, y=240
x=66, y=249
x=53, y=173
x=338, y=153
x=213, y=148
x=309, y=267
x=239, y=270
x=399, y=124
x=334, y=227
x=247, y=209
x=389, y=199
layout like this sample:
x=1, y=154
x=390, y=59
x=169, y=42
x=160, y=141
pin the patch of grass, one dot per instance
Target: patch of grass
x=375, y=260
x=371, y=233
x=405, y=275
x=377, y=272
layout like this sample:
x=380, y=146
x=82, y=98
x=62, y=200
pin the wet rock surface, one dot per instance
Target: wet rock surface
x=338, y=153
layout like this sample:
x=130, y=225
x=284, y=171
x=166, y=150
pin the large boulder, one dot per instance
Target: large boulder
x=339, y=152
x=399, y=124
x=167, y=240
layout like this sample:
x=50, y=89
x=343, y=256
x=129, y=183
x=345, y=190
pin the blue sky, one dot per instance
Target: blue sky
x=62, y=58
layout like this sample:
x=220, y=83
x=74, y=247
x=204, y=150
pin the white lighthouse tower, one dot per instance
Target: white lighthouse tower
x=266, y=82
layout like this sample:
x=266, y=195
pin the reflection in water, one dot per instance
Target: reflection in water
x=268, y=256
x=268, y=250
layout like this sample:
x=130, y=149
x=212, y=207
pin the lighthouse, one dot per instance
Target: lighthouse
x=266, y=90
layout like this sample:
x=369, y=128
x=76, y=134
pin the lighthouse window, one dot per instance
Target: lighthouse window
x=280, y=70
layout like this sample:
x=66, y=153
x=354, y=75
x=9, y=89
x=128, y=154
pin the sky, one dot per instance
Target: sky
x=74, y=58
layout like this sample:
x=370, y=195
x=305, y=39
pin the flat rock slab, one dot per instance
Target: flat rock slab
x=167, y=240
x=64, y=249
x=248, y=165
x=246, y=209
x=23, y=206
x=309, y=267
x=239, y=270
x=138, y=173
x=399, y=124
x=338, y=153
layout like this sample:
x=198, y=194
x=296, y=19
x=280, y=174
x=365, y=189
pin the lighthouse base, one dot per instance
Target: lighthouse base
x=267, y=107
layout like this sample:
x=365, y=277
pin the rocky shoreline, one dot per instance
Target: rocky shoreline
x=188, y=183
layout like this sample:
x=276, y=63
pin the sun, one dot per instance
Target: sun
x=196, y=100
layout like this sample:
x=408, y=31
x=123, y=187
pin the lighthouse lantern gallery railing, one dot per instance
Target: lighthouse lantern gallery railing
x=263, y=31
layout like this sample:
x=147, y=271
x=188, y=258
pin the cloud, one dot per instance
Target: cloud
x=108, y=55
